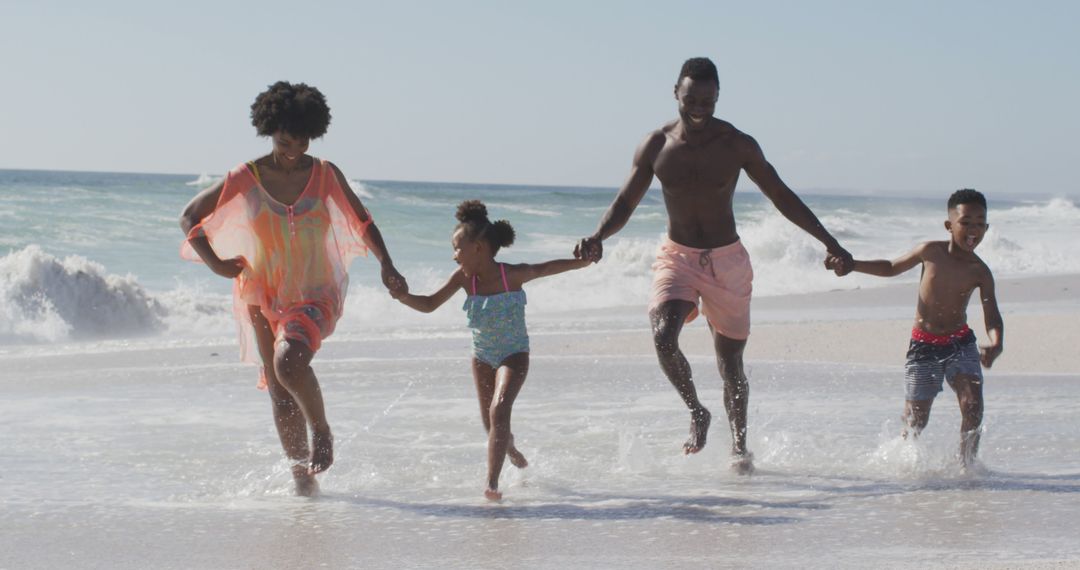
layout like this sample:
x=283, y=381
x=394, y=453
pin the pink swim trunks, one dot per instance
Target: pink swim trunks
x=721, y=277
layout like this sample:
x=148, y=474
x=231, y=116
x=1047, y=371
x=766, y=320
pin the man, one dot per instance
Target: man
x=697, y=158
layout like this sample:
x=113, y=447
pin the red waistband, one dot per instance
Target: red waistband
x=931, y=338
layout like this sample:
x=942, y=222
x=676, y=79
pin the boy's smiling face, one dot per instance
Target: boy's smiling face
x=967, y=225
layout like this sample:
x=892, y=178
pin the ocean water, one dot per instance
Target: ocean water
x=133, y=438
x=93, y=256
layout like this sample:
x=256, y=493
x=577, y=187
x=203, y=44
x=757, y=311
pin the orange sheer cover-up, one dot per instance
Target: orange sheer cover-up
x=296, y=256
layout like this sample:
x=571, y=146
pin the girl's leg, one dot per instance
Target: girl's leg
x=484, y=375
x=508, y=382
x=288, y=417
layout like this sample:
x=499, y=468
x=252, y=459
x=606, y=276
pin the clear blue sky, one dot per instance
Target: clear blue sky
x=862, y=96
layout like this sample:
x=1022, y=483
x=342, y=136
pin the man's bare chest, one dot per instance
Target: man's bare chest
x=681, y=165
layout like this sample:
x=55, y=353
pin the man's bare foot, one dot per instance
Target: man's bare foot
x=322, y=452
x=306, y=485
x=699, y=429
x=742, y=463
x=493, y=495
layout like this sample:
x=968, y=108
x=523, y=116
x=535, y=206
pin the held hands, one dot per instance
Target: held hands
x=990, y=354
x=590, y=249
x=839, y=261
x=394, y=281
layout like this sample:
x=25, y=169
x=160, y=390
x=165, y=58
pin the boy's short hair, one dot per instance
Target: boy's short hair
x=294, y=108
x=699, y=69
x=967, y=196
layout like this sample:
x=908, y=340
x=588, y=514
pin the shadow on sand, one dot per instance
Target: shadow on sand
x=587, y=506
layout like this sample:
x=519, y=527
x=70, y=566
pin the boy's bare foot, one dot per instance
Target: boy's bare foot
x=699, y=429
x=493, y=495
x=306, y=485
x=742, y=463
x=322, y=452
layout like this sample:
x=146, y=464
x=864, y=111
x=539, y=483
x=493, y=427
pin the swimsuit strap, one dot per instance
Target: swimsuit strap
x=502, y=268
x=473, y=284
x=255, y=171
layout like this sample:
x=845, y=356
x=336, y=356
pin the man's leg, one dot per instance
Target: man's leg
x=667, y=322
x=729, y=359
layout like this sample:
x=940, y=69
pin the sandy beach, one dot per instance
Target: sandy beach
x=121, y=457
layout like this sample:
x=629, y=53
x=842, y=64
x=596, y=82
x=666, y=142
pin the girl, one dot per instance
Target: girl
x=285, y=226
x=495, y=307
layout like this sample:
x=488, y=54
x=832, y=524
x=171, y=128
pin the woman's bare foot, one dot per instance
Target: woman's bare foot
x=699, y=429
x=493, y=495
x=322, y=452
x=306, y=485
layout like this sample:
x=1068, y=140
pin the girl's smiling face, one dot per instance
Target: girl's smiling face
x=466, y=252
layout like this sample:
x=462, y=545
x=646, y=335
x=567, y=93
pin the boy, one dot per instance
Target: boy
x=942, y=346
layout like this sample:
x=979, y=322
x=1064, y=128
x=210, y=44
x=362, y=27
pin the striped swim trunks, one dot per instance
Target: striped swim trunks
x=933, y=359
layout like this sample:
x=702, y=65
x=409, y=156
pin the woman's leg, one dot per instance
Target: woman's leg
x=288, y=416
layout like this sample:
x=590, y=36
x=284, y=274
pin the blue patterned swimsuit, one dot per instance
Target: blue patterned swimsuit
x=497, y=322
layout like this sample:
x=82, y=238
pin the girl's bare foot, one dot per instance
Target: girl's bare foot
x=493, y=495
x=322, y=452
x=516, y=458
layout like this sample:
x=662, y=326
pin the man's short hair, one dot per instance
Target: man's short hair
x=699, y=69
x=967, y=196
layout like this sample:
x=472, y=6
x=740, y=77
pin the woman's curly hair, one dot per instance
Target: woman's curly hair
x=474, y=221
x=295, y=108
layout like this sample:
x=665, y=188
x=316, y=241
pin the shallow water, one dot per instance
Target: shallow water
x=168, y=458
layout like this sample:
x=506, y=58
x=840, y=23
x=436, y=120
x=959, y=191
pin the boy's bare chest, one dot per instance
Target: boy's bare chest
x=950, y=282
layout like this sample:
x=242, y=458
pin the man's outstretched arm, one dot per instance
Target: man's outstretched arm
x=627, y=200
x=788, y=203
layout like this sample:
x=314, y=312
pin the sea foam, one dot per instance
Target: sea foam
x=45, y=298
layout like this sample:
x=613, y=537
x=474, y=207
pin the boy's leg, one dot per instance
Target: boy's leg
x=667, y=323
x=969, y=394
x=916, y=415
x=292, y=365
x=484, y=376
x=509, y=379
x=729, y=358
